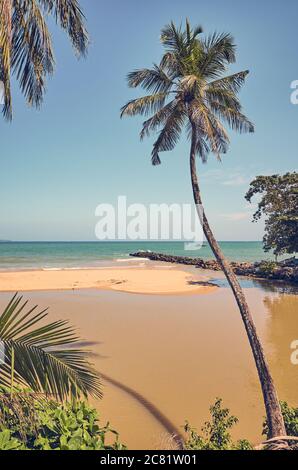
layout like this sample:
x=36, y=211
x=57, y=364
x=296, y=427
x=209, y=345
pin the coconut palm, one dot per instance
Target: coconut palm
x=189, y=87
x=26, y=49
x=43, y=356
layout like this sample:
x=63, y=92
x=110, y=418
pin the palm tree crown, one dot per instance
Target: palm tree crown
x=26, y=46
x=189, y=87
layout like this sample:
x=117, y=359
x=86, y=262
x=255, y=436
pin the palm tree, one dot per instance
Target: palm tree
x=189, y=87
x=44, y=358
x=26, y=46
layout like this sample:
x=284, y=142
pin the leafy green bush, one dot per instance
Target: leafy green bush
x=33, y=423
x=267, y=267
x=215, y=433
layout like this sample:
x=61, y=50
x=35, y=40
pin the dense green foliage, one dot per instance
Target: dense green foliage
x=215, y=433
x=279, y=204
x=33, y=423
x=29, y=422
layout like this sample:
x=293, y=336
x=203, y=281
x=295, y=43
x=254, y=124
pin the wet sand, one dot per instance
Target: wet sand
x=178, y=353
x=141, y=280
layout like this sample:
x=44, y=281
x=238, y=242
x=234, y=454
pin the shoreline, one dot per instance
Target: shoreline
x=136, y=280
x=283, y=271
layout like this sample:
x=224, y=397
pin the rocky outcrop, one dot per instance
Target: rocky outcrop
x=286, y=270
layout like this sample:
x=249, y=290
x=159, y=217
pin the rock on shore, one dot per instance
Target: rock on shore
x=286, y=270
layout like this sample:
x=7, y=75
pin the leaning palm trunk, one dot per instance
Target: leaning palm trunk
x=274, y=416
x=190, y=88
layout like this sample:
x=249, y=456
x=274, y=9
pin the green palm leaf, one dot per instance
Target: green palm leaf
x=42, y=356
x=190, y=87
x=154, y=80
x=144, y=105
x=26, y=49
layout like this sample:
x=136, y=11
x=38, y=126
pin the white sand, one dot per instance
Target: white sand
x=143, y=280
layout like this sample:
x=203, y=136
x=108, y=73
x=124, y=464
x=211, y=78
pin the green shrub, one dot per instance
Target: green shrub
x=33, y=423
x=215, y=433
x=267, y=267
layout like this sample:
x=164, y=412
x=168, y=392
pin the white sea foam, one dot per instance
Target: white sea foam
x=52, y=269
x=123, y=260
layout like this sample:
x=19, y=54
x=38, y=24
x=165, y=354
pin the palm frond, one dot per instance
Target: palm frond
x=197, y=30
x=157, y=119
x=144, y=105
x=154, y=80
x=170, y=63
x=223, y=97
x=201, y=146
x=231, y=83
x=70, y=17
x=212, y=129
x=170, y=133
x=37, y=356
x=32, y=52
x=26, y=46
x=219, y=52
x=173, y=38
x=236, y=120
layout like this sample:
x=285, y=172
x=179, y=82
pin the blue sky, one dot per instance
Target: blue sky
x=59, y=163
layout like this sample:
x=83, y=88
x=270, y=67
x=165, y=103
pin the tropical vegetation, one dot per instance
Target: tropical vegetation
x=43, y=374
x=43, y=356
x=30, y=421
x=190, y=88
x=215, y=433
x=278, y=203
x=26, y=49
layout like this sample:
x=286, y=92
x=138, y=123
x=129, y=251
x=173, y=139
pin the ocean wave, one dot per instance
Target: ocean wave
x=51, y=269
x=123, y=260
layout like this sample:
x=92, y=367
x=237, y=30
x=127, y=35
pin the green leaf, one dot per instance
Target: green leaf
x=46, y=358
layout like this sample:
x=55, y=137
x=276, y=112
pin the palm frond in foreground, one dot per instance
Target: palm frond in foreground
x=41, y=355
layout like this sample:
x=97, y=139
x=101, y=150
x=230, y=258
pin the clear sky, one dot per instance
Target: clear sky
x=59, y=163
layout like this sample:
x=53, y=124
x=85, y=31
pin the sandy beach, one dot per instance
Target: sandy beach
x=154, y=280
x=170, y=356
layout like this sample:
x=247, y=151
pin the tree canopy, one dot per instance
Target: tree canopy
x=279, y=204
x=190, y=88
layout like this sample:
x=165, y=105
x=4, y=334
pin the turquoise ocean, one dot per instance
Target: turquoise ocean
x=59, y=255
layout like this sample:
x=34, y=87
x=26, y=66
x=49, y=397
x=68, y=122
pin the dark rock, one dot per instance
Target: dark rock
x=286, y=270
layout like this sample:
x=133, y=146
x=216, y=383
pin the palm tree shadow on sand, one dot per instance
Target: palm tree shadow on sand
x=174, y=438
x=174, y=433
